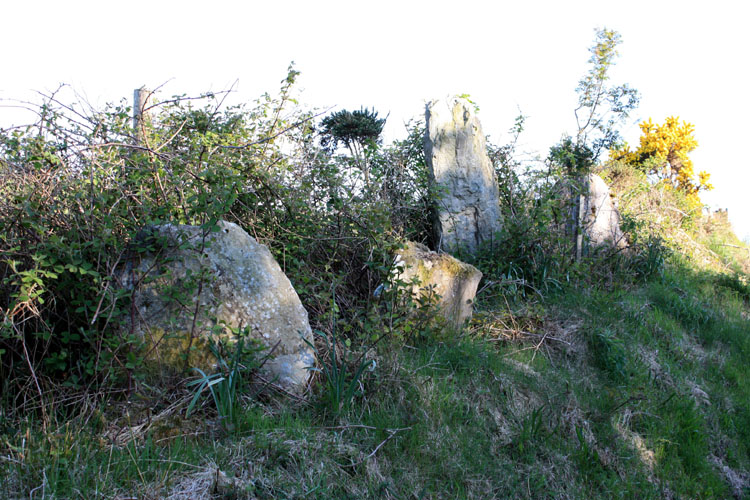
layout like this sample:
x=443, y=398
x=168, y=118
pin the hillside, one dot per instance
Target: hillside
x=620, y=374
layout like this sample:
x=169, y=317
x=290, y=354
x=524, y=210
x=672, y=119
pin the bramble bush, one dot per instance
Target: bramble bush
x=78, y=186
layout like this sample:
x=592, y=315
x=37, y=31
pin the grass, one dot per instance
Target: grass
x=626, y=391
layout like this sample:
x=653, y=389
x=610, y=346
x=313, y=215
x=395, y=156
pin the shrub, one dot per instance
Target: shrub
x=78, y=187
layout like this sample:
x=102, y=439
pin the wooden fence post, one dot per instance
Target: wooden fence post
x=581, y=215
x=140, y=114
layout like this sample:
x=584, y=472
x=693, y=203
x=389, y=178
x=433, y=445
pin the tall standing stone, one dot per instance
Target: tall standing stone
x=468, y=207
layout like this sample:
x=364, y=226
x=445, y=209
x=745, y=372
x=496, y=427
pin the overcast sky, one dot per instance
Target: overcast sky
x=686, y=58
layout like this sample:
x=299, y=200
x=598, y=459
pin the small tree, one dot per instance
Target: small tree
x=601, y=108
x=359, y=131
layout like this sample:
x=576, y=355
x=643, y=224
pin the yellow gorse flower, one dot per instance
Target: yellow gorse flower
x=664, y=150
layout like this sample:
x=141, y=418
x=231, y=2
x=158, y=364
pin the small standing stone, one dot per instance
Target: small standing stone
x=454, y=281
x=601, y=222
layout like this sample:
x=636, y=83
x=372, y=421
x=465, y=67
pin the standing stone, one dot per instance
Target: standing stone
x=601, y=222
x=468, y=206
x=427, y=273
x=593, y=219
x=233, y=282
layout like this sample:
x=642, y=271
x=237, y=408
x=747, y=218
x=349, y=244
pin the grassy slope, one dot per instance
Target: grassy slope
x=636, y=392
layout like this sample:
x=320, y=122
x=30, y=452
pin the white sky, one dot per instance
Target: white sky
x=687, y=58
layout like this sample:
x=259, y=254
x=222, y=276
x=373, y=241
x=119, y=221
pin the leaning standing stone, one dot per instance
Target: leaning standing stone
x=192, y=283
x=468, y=205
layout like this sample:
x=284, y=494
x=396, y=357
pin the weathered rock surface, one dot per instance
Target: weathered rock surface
x=590, y=199
x=468, y=212
x=430, y=272
x=231, y=281
x=601, y=223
